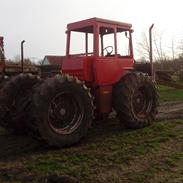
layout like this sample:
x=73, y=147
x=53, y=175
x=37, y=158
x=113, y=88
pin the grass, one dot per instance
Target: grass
x=169, y=94
x=162, y=171
x=109, y=154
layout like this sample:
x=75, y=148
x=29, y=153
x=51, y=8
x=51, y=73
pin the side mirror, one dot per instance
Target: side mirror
x=126, y=35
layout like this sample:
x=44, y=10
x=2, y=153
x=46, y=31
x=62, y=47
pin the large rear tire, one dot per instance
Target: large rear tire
x=14, y=97
x=61, y=111
x=135, y=100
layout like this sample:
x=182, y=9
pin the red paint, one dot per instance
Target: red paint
x=111, y=70
x=98, y=71
x=80, y=67
x=104, y=99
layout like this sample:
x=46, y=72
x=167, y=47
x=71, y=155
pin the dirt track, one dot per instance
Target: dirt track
x=110, y=153
x=170, y=110
x=166, y=110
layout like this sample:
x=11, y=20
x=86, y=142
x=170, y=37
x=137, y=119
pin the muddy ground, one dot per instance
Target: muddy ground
x=166, y=110
x=109, y=154
x=170, y=110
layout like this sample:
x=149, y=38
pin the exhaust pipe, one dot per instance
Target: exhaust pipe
x=22, y=56
x=2, y=56
x=150, y=51
x=1, y=43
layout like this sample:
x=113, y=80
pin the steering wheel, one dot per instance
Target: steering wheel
x=108, y=52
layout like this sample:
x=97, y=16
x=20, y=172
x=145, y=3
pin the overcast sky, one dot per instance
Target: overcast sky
x=42, y=23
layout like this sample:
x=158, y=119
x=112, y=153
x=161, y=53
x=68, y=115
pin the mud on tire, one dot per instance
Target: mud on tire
x=14, y=97
x=61, y=111
x=135, y=100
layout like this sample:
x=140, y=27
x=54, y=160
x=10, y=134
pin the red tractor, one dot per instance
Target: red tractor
x=92, y=83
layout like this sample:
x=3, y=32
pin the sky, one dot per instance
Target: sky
x=42, y=23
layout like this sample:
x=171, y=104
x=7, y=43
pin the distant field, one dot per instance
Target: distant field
x=169, y=93
x=109, y=154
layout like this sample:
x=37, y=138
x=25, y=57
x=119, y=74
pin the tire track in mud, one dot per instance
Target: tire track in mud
x=170, y=110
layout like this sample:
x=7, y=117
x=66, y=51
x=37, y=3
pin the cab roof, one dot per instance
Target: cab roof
x=87, y=25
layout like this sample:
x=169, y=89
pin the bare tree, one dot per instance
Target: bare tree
x=159, y=51
x=143, y=47
x=180, y=48
x=172, y=47
x=16, y=60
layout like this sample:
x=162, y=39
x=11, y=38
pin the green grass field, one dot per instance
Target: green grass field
x=169, y=93
x=109, y=154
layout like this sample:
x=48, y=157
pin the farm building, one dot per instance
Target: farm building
x=51, y=65
x=53, y=60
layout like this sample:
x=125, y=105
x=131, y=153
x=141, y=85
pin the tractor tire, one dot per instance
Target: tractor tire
x=2, y=82
x=135, y=100
x=14, y=98
x=61, y=110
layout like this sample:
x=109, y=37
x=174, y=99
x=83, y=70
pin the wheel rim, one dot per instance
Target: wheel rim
x=65, y=113
x=142, y=102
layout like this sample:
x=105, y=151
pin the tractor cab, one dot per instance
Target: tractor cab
x=98, y=50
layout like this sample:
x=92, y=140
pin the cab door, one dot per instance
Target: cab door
x=115, y=55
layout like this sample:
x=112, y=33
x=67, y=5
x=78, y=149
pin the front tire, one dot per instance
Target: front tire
x=135, y=100
x=62, y=111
